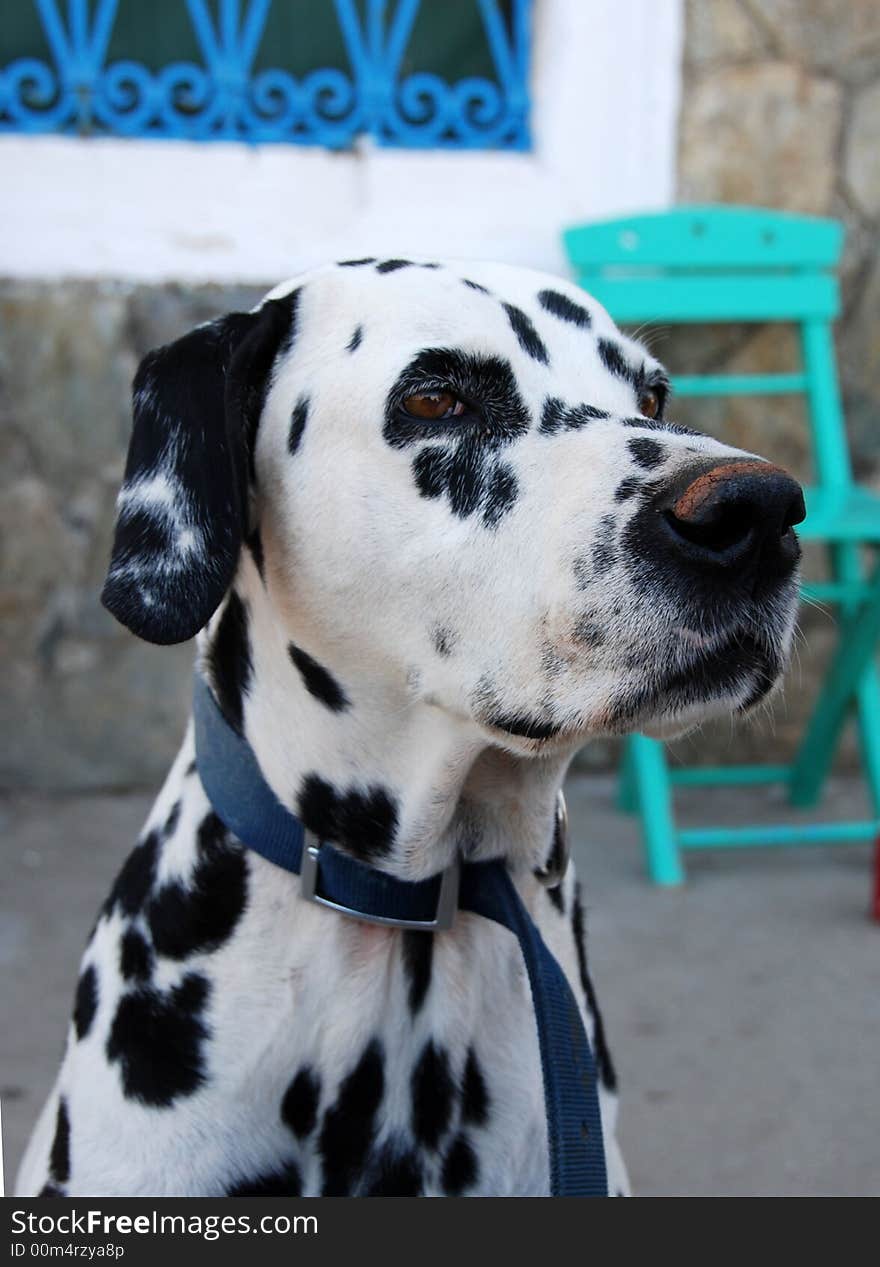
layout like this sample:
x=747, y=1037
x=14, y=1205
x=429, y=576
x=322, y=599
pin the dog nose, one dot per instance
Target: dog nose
x=735, y=514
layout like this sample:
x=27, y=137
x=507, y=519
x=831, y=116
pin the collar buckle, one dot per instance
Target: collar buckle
x=447, y=899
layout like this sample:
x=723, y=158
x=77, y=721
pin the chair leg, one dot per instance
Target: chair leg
x=868, y=696
x=869, y=733
x=651, y=778
x=875, y=893
x=875, y=882
x=834, y=470
x=850, y=678
x=627, y=793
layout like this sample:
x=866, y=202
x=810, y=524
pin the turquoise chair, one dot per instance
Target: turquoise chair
x=741, y=264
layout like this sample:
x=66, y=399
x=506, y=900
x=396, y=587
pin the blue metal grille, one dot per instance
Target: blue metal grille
x=228, y=96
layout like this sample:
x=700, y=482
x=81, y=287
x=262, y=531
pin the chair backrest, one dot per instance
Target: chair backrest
x=710, y=264
x=729, y=264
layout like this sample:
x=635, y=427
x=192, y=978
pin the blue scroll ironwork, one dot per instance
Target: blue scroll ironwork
x=225, y=98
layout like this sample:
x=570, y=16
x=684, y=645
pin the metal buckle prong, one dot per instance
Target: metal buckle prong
x=447, y=899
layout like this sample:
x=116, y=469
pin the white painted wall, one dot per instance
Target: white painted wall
x=606, y=88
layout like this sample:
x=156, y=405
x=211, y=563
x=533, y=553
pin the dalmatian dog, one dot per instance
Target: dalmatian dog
x=434, y=532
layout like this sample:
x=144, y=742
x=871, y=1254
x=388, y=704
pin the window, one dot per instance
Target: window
x=415, y=73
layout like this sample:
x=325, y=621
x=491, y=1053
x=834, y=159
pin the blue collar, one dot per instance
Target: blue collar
x=243, y=800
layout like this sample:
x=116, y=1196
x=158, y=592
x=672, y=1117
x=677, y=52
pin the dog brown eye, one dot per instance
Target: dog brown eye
x=649, y=403
x=433, y=406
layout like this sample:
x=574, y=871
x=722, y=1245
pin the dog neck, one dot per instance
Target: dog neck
x=364, y=760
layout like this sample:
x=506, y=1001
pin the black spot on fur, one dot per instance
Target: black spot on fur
x=299, y=1108
x=627, y=488
x=255, y=545
x=132, y=886
x=187, y=920
x=604, y=557
x=612, y=357
x=604, y=1066
x=583, y=571
x=172, y=820
x=433, y=1094
x=361, y=820
x=461, y=473
x=488, y=381
x=418, y=955
x=391, y=266
x=605, y=547
x=59, y=1158
x=553, y=415
x=556, y=416
x=298, y=420
x=564, y=308
x=460, y=1169
x=157, y=1038
x=50, y=1190
x=355, y=340
x=86, y=1002
x=476, y=286
x=251, y=394
x=349, y=1124
x=229, y=661
x=458, y=462
x=588, y=631
x=367, y=259
x=522, y=724
x=276, y=1183
x=431, y=468
x=526, y=334
x=501, y=494
x=135, y=956
x=648, y=453
x=443, y=641
x=319, y=681
x=134, y=882
x=474, y=1096
x=397, y=1174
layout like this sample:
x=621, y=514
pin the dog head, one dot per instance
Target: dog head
x=461, y=477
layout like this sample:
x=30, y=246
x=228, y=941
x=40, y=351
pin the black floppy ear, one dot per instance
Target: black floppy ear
x=183, y=505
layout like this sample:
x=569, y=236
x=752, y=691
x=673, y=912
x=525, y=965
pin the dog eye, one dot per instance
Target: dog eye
x=433, y=406
x=651, y=402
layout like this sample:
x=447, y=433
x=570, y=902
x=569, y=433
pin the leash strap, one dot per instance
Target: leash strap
x=243, y=800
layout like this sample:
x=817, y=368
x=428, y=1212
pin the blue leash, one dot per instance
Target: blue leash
x=243, y=800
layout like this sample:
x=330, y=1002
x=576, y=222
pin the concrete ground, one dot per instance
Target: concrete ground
x=743, y=1009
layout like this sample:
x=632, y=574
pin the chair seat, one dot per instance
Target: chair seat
x=847, y=514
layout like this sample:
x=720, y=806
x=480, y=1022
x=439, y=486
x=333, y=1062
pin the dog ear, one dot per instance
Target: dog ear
x=182, y=511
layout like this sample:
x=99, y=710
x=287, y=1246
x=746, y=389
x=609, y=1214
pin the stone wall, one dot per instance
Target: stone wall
x=84, y=704
x=781, y=108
